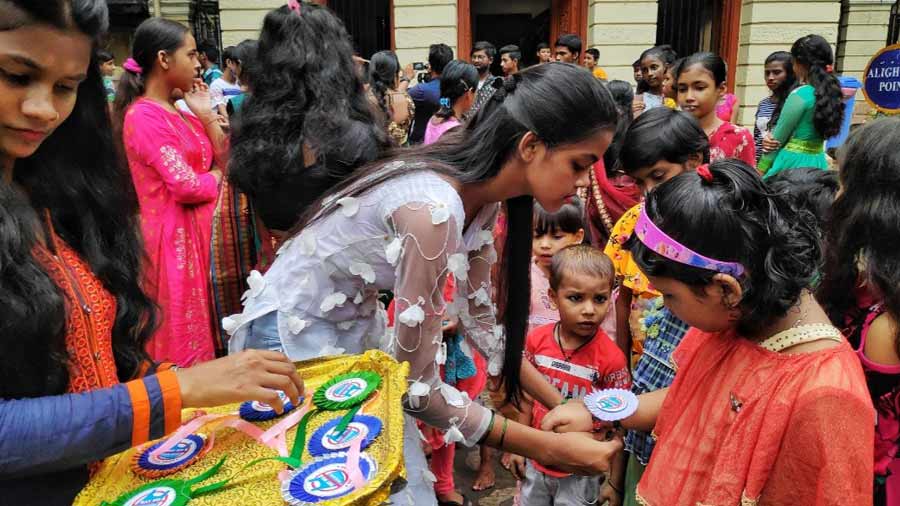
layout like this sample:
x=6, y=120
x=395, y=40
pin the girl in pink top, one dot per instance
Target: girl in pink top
x=861, y=282
x=458, y=85
x=171, y=155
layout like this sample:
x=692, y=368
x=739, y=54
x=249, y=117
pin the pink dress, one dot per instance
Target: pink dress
x=170, y=157
x=433, y=131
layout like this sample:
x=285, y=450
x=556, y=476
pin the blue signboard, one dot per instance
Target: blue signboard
x=881, y=82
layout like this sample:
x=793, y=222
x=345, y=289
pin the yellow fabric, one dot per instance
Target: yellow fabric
x=260, y=486
x=626, y=269
x=670, y=103
x=599, y=73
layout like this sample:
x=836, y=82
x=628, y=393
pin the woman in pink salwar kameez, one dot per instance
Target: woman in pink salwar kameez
x=171, y=157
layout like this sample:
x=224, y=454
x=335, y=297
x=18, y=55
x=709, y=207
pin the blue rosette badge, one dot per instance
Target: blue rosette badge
x=255, y=411
x=146, y=462
x=326, y=439
x=612, y=404
x=324, y=479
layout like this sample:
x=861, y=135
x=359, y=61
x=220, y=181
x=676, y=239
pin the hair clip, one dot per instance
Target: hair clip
x=829, y=68
x=445, y=102
x=132, y=66
x=704, y=172
x=294, y=5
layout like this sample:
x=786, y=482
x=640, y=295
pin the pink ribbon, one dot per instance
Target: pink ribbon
x=353, y=471
x=132, y=66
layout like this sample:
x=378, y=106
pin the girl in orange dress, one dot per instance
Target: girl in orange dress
x=769, y=404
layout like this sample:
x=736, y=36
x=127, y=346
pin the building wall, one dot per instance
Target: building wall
x=242, y=19
x=420, y=23
x=621, y=30
x=774, y=25
x=176, y=10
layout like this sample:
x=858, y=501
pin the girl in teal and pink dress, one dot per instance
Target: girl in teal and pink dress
x=812, y=112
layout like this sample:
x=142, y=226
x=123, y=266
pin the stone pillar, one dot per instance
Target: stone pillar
x=621, y=30
x=774, y=25
x=176, y=10
x=242, y=19
x=863, y=32
x=420, y=23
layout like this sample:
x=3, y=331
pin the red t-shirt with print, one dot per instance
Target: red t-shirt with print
x=597, y=365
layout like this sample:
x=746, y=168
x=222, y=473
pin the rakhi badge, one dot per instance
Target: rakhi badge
x=612, y=404
x=327, y=439
x=324, y=479
x=149, y=463
x=255, y=411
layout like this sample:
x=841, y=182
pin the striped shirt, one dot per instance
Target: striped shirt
x=763, y=114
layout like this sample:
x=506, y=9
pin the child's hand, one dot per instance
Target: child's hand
x=572, y=416
x=609, y=495
x=769, y=143
x=517, y=466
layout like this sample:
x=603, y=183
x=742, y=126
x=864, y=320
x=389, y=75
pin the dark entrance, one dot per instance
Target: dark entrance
x=367, y=21
x=524, y=23
x=204, y=18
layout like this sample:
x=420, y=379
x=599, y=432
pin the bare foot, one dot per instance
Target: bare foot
x=485, y=478
x=453, y=497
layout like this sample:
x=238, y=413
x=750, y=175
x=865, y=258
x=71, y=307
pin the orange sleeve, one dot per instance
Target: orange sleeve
x=171, y=394
x=140, y=407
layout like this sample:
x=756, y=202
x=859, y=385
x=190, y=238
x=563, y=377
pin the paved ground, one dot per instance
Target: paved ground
x=500, y=495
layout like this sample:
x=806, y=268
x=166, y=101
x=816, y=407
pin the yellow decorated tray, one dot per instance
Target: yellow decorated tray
x=262, y=484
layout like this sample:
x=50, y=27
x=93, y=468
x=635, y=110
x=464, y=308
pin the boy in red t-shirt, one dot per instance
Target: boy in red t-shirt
x=576, y=356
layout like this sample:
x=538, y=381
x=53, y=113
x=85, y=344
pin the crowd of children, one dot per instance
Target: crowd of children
x=746, y=293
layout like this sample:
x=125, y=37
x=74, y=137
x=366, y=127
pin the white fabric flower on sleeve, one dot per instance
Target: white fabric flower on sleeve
x=257, y=283
x=359, y=298
x=440, y=213
x=491, y=255
x=453, y=396
x=428, y=476
x=332, y=301
x=453, y=435
x=296, y=325
x=412, y=316
x=393, y=251
x=308, y=243
x=231, y=323
x=485, y=237
x=363, y=270
x=416, y=392
x=349, y=206
x=458, y=264
x=481, y=297
x=347, y=325
x=440, y=358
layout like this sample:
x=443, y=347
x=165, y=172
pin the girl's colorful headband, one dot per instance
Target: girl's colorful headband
x=658, y=241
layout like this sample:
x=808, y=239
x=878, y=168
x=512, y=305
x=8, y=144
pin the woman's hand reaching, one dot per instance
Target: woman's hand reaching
x=251, y=375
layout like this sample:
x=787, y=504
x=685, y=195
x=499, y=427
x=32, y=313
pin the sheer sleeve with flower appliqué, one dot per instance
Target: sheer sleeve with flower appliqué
x=426, y=249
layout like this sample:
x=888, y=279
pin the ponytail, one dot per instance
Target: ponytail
x=814, y=52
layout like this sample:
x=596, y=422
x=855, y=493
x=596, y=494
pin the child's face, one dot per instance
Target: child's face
x=545, y=55
x=668, y=86
x=589, y=61
x=544, y=246
x=583, y=301
x=638, y=74
x=704, y=309
x=653, y=71
x=648, y=178
x=775, y=74
x=698, y=93
x=108, y=68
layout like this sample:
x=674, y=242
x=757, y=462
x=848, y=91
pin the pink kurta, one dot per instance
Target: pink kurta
x=170, y=157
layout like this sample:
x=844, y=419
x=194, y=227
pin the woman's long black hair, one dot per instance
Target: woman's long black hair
x=458, y=78
x=384, y=68
x=815, y=52
x=548, y=100
x=75, y=175
x=623, y=97
x=735, y=218
x=305, y=93
x=790, y=82
x=864, y=225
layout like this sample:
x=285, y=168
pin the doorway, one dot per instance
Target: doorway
x=524, y=23
x=368, y=23
x=690, y=26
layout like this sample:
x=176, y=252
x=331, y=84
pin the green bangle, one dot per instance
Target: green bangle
x=565, y=400
x=489, y=428
x=503, y=432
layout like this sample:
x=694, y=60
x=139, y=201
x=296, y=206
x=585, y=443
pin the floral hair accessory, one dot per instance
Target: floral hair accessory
x=445, y=102
x=704, y=172
x=132, y=66
x=294, y=5
x=658, y=241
